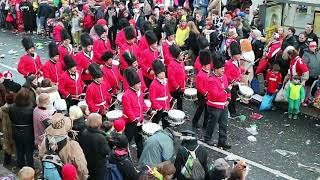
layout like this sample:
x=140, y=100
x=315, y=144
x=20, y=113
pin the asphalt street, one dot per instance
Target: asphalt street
x=300, y=139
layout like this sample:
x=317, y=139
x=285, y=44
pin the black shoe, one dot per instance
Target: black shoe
x=210, y=142
x=224, y=146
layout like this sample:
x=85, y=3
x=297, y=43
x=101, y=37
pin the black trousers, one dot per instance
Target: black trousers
x=161, y=115
x=232, y=103
x=201, y=106
x=147, y=81
x=220, y=116
x=134, y=131
x=24, y=139
x=178, y=96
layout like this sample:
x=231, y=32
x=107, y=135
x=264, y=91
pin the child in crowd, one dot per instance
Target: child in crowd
x=26, y=173
x=273, y=81
x=75, y=26
x=295, y=94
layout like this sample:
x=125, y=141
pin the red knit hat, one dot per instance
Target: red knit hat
x=69, y=172
x=119, y=125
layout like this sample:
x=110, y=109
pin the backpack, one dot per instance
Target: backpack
x=51, y=162
x=112, y=171
x=193, y=169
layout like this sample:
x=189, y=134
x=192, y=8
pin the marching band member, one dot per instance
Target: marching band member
x=29, y=63
x=148, y=56
x=101, y=45
x=218, y=99
x=120, y=38
x=159, y=94
x=203, y=44
x=233, y=71
x=111, y=72
x=202, y=88
x=129, y=45
x=65, y=48
x=84, y=58
x=133, y=107
x=132, y=62
x=52, y=69
x=177, y=75
x=97, y=95
x=70, y=84
x=166, y=45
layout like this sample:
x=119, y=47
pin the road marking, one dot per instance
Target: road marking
x=273, y=171
x=8, y=67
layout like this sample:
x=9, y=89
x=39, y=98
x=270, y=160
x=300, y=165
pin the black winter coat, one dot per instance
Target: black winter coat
x=125, y=166
x=291, y=41
x=183, y=154
x=95, y=147
x=258, y=48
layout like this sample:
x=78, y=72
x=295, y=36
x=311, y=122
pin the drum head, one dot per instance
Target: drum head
x=148, y=103
x=246, y=91
x=115, y=62
x=188, y=68
x=190, y=91
x=119, y=97
x=176, y=114
x=150, y=128
x=115, y=114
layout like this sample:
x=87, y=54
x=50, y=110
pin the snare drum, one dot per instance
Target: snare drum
x=115, y=62
x=147, y=102
x=114, y=115
x=245, y=93
x=119, y=97
x=176, y=117
x=149, y=128
x=190, y=94
x=189, y=70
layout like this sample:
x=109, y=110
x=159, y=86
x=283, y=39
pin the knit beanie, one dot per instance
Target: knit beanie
x=69, y=172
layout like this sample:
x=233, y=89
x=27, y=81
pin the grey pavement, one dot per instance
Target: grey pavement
x=275, y=130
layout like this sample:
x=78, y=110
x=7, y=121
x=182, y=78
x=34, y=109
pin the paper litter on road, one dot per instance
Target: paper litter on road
x=2, y=55
x=242, y=117
x=309, y=168
x=252, y=131
x=285, y=152
x=317, y=125
x=281, y=132
x=232, y=157
x=12, y=51
x=308, y=142
x=252, y=138
x=286, y=125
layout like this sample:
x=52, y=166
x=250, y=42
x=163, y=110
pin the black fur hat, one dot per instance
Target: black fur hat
x=169, y=31
x=107, y=55
x=151, y=37
x=175, y=50
x=86, y=40
x=218, y=61
x=129, y=57
x=203, y=42
x=129, y=32
x=64, y=35
x=27, y=43
x=53, y=49
x=158, y=66
x=95, y=70
x=205, y=57
x=132, y=76
x=123, y=22
x=234, y=48
x=70, y=63
x=99, y=29
x=146, y=26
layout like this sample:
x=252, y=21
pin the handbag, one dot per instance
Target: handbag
x=281, y=95
x=266, y=103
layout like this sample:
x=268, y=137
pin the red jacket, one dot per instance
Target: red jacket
x=274, y=48
x=273, y=80
x=202, y=82
x=159, y=95
x=133, y=105
x=52, y=71
x=63, y=51
x=146, y=62
x=297, y=67
x=120, y=39
x=98, y=97
x=143, y=44
x=83, y=61
x=133, y=48
x=56, y=33
x=29, y=65
x=176, y=75
x=99, y=48
x=70, y=86
x=166, y=53
x=143, y=84
x=233, y=71
x=112, y=75
x=88, y=21
x=217, y=95
x=197, y=65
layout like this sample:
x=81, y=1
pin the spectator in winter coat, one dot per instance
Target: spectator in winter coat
x=311, y=35
x=27, y=13
x=95, y=147
x=51, y=89
x=290, y=39
x=182, y=32
x=312, y=59
x=257, y=44
x=79, y=122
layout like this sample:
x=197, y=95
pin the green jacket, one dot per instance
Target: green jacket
x=295, y=92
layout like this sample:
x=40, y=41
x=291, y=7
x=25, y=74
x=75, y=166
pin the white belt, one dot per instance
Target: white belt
x=101, y=104
x=162, y=98
x=218, y=103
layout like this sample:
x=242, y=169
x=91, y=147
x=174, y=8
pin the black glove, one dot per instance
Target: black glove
x=135, y=122
x=69, y=98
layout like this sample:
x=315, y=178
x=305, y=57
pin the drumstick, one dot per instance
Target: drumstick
x=152, y=116
x=113, y=103
x=174, y=103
